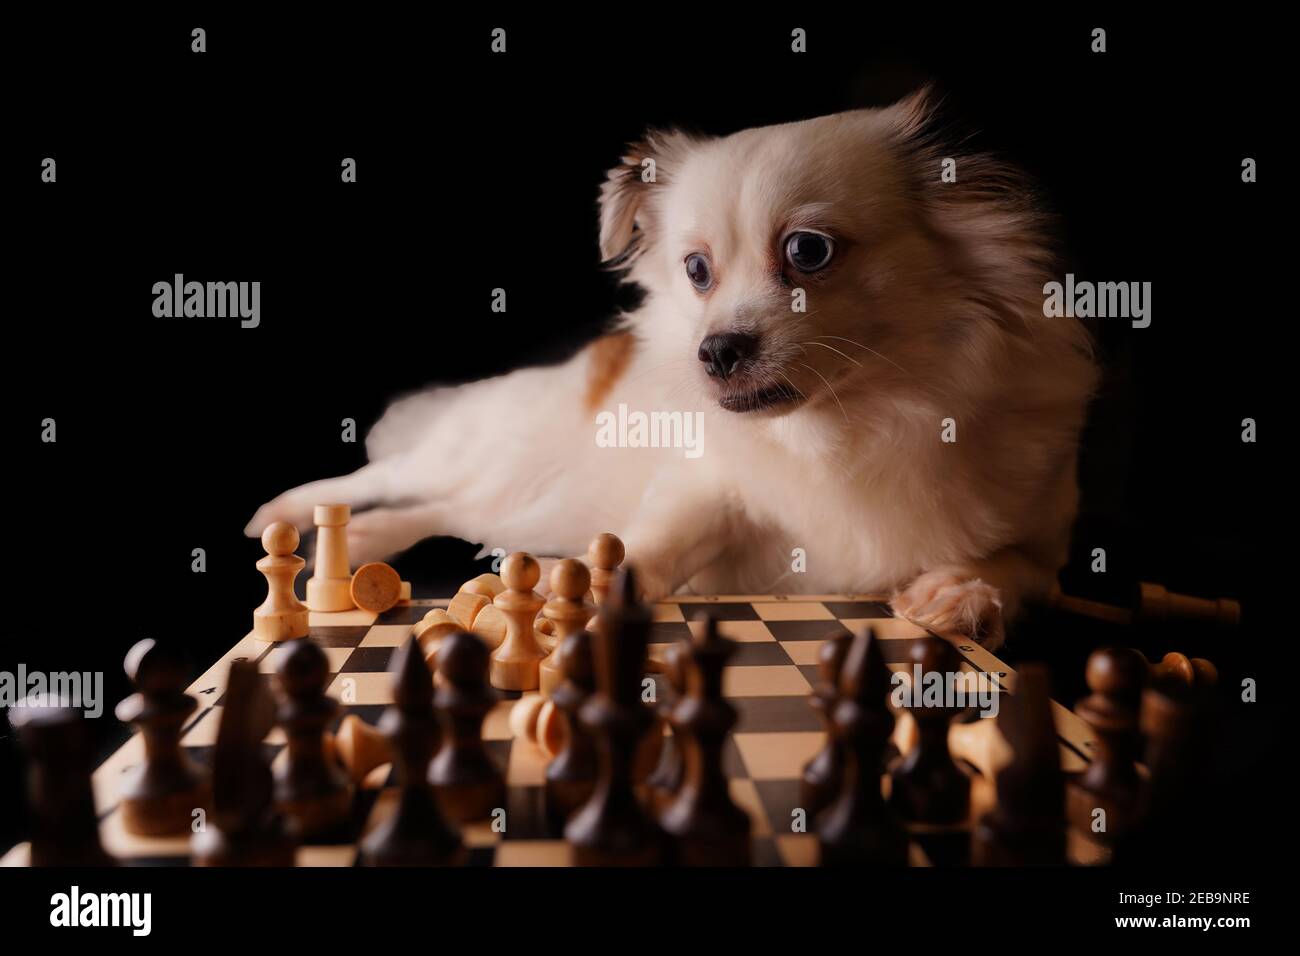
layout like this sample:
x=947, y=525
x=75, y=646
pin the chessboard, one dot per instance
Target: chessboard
x=768, y=680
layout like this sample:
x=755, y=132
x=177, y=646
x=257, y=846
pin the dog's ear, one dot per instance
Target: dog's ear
x=627, y=196
x=917, y=115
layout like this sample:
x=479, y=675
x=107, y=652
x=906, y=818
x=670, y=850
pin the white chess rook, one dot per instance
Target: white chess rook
x=330, y=587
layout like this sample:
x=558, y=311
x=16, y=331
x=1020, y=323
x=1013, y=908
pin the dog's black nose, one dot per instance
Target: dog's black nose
x=723, y=354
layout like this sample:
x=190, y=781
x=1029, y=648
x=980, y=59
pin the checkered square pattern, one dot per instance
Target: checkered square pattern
x=768, y=680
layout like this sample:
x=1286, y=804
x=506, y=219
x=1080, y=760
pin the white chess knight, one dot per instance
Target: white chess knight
x=883, y=405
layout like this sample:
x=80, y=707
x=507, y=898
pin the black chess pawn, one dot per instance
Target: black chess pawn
x=1027, y=825
x=708, y=827
x=1105, y=799
x=666, y=778
x=310, y=790
x=56, y=737
x=161, y=794
x=416, y=833
x=244, y=828
x=612, y=829
x=927, y=785
x=571, y=774
x=858, y=827
x=468, y=783
x=824, y=773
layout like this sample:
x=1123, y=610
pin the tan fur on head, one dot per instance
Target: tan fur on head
x=624, y=206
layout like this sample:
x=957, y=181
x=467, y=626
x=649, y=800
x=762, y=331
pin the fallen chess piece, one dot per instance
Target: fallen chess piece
x=360, y=748
x=1191, y=671
x=536, y=719
x=376, y=587
x=1155, y=603
x=430, y=631
x=470, y=610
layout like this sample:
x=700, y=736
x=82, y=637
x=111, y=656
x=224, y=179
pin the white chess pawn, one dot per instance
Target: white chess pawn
x=604, y=554
x=515, y=662
x=567, y=612
x=281, y=617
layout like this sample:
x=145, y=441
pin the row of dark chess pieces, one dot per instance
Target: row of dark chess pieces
x=1122, y=809
x=254, y=815
x=685, y=814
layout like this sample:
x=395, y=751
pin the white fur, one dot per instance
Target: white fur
x=932, y=310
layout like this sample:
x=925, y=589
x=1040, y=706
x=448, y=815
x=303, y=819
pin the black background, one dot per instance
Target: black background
x=477, y=171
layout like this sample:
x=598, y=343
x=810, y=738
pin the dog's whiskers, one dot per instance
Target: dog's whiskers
x=831, y=388
x=796, y=388
x=866, y=348
x=835, y=350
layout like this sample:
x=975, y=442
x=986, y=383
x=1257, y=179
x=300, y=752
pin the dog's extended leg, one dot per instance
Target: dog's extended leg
x=376, y=483
x=974, y=600
x=675, y=535
x=380, y=533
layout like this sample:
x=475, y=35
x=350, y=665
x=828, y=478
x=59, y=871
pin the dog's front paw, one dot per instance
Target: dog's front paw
x=954, y=606
x=292, y=506
x=652, y=583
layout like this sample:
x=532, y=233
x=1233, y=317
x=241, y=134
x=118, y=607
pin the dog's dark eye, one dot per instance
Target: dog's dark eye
x=698, y=271
x=808, y=251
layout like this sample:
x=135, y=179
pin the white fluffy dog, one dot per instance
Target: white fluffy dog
x=884, y=407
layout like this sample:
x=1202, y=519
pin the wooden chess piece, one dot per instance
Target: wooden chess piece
x=710, y=830
x=1178, y=721
x=161, y=793
x=468, y=784
x=330, y=586
x=927, y=785
x=515, y=662
x=611, y=829
x=313, y=794
x=360, y=747
x=859, y=827
x=568, y=612
x=1104, y=800
x=1027, y=826
x=666, y=779
x=604, y=554
x=375, y=587
x=416, y=833
x=281, y=617
x=1192, y=671
x=824, y=773
x=571, y=774
x=58, y=744
x=243, y=828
